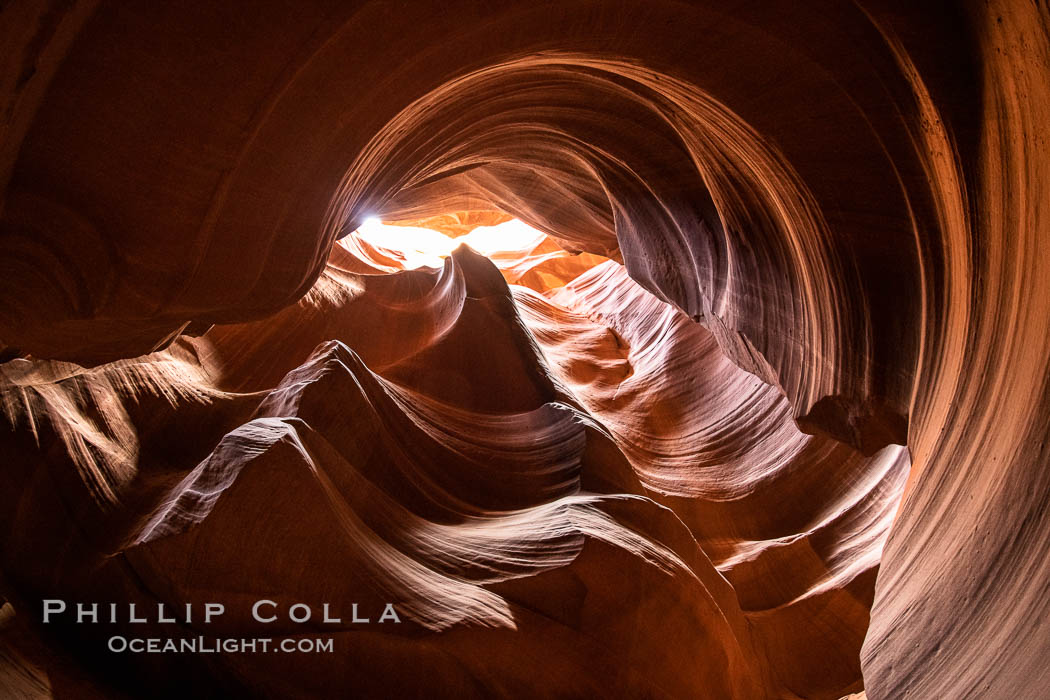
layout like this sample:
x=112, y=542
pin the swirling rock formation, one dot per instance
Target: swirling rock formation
x=668, y=474
x=575, y=487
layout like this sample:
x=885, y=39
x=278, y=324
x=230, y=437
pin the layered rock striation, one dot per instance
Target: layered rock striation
x=823, y=228
x=546, y=488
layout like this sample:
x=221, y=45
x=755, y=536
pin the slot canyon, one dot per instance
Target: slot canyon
x=525, y=349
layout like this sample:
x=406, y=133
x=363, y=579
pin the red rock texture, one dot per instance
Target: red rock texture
x=668, y=475
x=589, y=479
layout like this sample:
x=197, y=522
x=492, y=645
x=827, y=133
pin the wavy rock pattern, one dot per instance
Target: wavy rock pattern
x=508, y=501
x=845, y=201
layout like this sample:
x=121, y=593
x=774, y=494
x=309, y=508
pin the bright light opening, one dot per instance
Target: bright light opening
x=411, y=246
x=414, y=247
x=524, y=255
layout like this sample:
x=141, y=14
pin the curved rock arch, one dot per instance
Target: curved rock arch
x=849, y=198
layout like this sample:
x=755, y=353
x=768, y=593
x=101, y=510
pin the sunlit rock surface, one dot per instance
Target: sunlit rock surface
x=561, y=482
x=673, y=465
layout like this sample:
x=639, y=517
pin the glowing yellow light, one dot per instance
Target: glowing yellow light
x=422, y=247
x=510, y=236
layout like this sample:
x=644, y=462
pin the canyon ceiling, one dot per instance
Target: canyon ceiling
x=761, y=411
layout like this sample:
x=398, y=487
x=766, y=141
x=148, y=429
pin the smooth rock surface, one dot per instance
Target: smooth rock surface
x=831, y=221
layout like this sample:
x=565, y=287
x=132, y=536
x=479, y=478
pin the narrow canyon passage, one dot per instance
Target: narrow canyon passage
x=566, y=467
x=525, y=349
